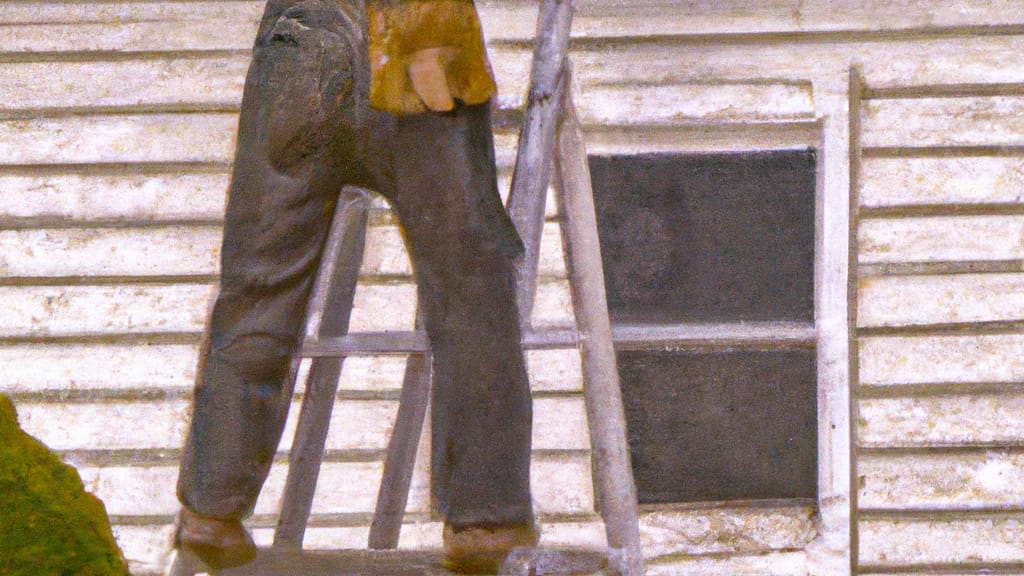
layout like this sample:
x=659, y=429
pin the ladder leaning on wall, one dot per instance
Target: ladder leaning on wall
x=550, y=137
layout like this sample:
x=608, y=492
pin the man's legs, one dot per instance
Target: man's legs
x=463, y=247
x=297, y=146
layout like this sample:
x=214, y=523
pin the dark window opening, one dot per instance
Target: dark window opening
x=715, y=238
x=709, y=238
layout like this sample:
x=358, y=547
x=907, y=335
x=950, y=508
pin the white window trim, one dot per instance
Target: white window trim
x=826, y=129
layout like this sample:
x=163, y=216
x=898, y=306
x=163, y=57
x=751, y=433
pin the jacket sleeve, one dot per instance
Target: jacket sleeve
x=425, y=54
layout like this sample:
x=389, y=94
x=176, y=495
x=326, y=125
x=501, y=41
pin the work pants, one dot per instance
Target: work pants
x=305, y=131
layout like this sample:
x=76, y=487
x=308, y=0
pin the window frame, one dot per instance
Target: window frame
x=832, y=549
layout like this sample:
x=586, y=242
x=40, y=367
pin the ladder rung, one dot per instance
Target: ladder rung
x=625, y=336
x=416, y=342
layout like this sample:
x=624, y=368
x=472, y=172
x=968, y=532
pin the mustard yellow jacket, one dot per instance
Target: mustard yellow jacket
x=425, y=54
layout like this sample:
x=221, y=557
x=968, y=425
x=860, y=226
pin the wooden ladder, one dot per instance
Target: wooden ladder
x=551, y=136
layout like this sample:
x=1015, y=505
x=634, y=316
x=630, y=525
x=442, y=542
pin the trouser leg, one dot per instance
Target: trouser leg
x=462, y=245
x=297, y=146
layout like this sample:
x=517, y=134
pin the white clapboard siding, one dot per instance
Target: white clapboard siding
x=899, y=360
x=782, y=563
x=34, y=311
x=950, y=238
x=627, y=105
x=922, y=300
x=355, y=424
x=165, y=250
x=726, y=530
x=113, y=197
x=119, y=138
x=942, y=481
x=891, y=182
x=937, y=418
x=960, y=420
x=935, y=61
x=959, y=541
x=981, y=121
x=155, y=25
x=555, y=370
x=211, y=80
x=34, y=368
x=386, y=255
x=117, y=124
x=82, y=367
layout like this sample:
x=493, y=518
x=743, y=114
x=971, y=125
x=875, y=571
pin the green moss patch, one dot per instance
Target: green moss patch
x=49, y=524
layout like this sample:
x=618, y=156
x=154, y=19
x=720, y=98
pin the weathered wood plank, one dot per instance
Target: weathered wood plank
x=706, y=72
x=119, y=138
x=738, y=565
x=892, y=361
x=224, y=33
x=399, y=300
x=922, y=300
x=145, y=547
x=562, y=485
x=980, y=419
x=502, y=20
x=955, y=238
x=129, y=197
x=936, y=61
x=726, y=530
x=354, y=425
x=83, y=310
x=889, y=182
x=163, y=251
x=991, y=121
x=555, y=370
x=43, y=12
x=386, y=255
x=344, y=487
x=552, y=305
x=974, y=541
x=208, y=81
x=560, y=424
x=39, y=367
x=672, y=104
x=941, y=481
x=112, y=425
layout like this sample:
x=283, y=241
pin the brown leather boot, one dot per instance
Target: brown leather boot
x=216, y=543
x=482, y=550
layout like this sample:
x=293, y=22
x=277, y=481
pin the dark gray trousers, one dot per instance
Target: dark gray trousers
x=305, y=131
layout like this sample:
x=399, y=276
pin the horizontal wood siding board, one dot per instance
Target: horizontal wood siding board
x=941, y=481
x=95, y=310
x=965, y=420
x=129, y=138
x=940, y=267
x=917, y=542
x=169, y=251
x=938, y=239
x=968, y=121
x=191, y=24
x=33, y=368
x=726, y=530
x=213, y=76
x=923, y=300
x=954, y=569
x=213, y=81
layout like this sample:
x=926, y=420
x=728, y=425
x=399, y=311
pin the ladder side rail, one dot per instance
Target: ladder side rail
x=602, y=392
x=328, y=315
x=532, y=172
x=400, y=461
